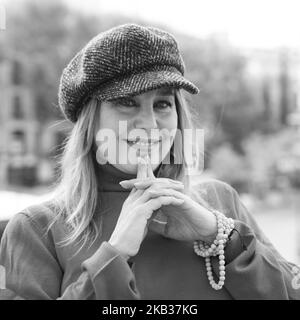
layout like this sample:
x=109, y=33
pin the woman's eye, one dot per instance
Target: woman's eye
x=125, y=102
x=163, y=105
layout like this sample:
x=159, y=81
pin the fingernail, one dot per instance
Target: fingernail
x=124, y=184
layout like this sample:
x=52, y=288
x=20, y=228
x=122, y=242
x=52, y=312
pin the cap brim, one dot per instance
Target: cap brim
x=139, y=83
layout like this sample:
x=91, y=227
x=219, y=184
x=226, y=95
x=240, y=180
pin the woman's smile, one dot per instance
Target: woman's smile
x=143, y=144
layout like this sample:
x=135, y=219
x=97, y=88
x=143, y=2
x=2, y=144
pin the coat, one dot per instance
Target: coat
x=38, y=268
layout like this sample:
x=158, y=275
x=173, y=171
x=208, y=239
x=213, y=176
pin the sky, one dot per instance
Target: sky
x=246, y=23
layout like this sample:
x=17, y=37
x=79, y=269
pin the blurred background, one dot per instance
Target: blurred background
x=244, y=56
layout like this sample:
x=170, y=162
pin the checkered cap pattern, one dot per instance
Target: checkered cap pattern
x=126, y=60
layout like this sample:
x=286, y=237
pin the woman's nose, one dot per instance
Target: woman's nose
x=146, y=119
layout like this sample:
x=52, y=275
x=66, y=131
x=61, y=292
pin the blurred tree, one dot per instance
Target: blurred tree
x=284, y=86
x=225, y=99
x=266, y=101
x=47, y=35
x=231, y=167
x=269, y=162
x=37, y=34
x=272, y=158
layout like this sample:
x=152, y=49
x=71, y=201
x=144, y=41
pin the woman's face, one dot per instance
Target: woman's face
x=136, y=125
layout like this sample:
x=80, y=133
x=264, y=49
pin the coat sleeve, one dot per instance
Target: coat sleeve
x=32, y=270
x=254, y=268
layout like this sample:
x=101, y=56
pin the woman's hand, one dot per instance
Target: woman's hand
x=137, y=211
x=186, y=221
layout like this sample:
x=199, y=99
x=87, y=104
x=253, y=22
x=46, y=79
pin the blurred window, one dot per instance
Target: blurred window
x=18, y=143
x=17, y=108
x=17, y=73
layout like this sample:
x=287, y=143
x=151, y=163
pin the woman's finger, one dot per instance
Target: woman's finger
x=142, y=168
x=159, y=184
x=147, y=194
x=130, y=183
x=157, y=225
x=142, y=174
x=149, y=167
x=150, y=219
x=150, y=193
x=166, y=192
x=154, y=204
x=149, y=181
x=134, y=195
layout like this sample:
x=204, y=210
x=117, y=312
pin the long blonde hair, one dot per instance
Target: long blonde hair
x=76, y=193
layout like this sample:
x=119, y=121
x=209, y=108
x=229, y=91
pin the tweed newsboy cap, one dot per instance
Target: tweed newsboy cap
x=126, y=60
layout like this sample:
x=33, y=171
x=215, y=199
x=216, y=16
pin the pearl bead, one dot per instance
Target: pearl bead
x=225, y=226
x=219, y=237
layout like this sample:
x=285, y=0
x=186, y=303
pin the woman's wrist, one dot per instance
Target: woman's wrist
x=114, y=245
x=211, y=238
x=211, y=228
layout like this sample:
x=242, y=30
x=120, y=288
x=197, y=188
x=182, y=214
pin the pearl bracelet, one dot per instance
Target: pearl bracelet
x=201, y=248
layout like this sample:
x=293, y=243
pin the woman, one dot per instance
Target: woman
x=136, y=229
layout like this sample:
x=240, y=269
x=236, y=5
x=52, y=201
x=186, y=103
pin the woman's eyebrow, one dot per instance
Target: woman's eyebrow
x=122, y=99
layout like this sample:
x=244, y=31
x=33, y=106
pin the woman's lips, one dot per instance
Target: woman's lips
x=140, y=145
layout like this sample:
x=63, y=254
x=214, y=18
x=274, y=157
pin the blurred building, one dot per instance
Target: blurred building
x=27, y=146
x=276, y=81
x=276, y=84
